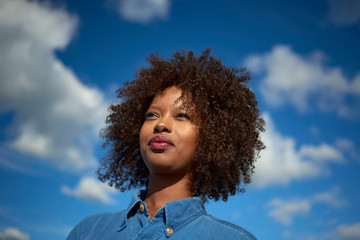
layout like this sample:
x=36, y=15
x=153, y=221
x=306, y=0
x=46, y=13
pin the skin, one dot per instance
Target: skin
x=168, y=164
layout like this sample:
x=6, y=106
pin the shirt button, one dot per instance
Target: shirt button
x=142, y=208
x=169, y=230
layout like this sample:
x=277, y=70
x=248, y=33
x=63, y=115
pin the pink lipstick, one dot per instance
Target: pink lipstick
x=160, y=143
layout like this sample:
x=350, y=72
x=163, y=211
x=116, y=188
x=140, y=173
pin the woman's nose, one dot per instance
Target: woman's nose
x=163, y=125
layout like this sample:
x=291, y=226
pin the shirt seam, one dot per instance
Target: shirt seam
x=188, y=220
x=233, y=226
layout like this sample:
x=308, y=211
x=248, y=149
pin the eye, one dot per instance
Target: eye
x=150, y=115
x=183, y=115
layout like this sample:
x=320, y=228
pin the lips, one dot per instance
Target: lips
x=160, y=143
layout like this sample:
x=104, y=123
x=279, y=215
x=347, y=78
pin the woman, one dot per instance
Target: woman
x=187, y=130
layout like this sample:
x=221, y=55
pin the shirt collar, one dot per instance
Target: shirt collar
x=135, y=202
x=132, y=207
x=181, y=212
x=177, y=213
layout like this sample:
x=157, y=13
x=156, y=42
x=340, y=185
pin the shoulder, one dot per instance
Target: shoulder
x=96, y=223
x=228, y=230
x=107, y=217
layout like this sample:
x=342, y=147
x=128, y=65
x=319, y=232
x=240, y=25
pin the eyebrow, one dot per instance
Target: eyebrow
x=159, y=108
x=155, y=107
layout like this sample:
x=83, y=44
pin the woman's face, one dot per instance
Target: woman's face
x=167, y=137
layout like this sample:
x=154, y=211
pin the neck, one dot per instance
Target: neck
x=163, y=189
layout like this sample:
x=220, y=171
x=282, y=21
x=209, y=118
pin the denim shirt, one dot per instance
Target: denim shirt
x=182, y=219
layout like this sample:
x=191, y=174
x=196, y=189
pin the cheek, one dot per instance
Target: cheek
x=142, y=142
x=141, y=134
x=142, y=137
x=191, y=139
x=144, y=131
x=195, y=134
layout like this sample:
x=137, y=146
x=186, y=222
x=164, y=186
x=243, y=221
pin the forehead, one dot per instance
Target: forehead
x=173, y=98
x=170, y=96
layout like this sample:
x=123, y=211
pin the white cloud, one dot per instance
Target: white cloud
x=349, y=231
x=344, y=12
x=298, y=81
x=143, y=11
x=348, y=146
x=285, y=211
x=321, y=153
x=280, y=163
x=330, y=198
x=57, y=118
x=13, y=234
x=91, y=189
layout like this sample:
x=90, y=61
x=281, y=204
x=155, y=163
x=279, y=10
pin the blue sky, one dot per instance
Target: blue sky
x=61, y=61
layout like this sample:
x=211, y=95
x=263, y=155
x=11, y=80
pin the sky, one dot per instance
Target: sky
x=61, y=62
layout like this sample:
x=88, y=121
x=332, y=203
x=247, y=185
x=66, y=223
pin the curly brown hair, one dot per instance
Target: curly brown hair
x=226, y=111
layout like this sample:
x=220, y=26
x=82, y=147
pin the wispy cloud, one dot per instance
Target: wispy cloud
x=282, y=161
x=349, y=232
x=57, y=118
x=7, y=163
x=330, y=198
x=46, y=228
x=91, y=189
x=143, y=11
x=291, y=79
x=349, y=147
x=284, y=211
x=344, y=12
x=13, y=234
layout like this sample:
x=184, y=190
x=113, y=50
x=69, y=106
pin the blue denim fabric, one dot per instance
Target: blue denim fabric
x=182, y=219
